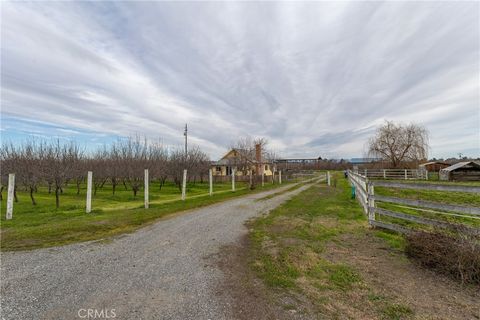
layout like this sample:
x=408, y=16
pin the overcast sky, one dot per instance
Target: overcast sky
x=315, y=79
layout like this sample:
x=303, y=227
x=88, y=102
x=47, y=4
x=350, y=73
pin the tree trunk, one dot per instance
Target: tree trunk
x=32, y=189
x=1, y=193
x=135, y=189
x=114, y=185
x=78, y=188
x=49, y=188
x=57, y=197
x=15, y=194
x=125, y=185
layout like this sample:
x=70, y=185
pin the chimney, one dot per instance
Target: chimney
x=258, y=157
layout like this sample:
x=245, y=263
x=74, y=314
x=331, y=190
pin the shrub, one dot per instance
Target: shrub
x=458, y=257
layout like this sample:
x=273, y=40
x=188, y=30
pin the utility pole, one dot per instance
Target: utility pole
x=185, y=134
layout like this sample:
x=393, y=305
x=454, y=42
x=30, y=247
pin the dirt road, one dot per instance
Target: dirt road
x=164, y=271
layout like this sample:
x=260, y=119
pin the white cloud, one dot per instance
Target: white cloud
x=314, y=78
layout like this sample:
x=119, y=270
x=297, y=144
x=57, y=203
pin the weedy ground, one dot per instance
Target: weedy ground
x=317, y=257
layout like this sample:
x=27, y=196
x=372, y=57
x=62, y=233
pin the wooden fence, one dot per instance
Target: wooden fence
x=397, y=174
x=365, y=191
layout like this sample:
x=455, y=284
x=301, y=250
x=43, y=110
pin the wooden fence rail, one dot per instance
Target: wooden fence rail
x=403, y=174
x=365, y=189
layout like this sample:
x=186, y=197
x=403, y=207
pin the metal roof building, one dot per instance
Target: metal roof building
x=462, y=171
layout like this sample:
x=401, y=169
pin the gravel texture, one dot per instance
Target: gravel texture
x=163, y=271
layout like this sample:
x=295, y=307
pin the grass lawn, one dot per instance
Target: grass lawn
x=44, y=226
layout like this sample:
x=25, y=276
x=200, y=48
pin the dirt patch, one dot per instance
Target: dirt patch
x=391, y=275
x=247, y=296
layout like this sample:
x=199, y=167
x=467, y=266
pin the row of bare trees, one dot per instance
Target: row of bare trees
x=56, y=164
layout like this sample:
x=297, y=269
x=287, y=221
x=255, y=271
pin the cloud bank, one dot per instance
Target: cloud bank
x=314, y=78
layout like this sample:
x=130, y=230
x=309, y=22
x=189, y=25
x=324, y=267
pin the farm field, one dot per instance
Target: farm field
x=316, y=257
x=44, y=226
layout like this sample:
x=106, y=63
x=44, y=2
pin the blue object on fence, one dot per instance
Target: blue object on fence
x=353, y=192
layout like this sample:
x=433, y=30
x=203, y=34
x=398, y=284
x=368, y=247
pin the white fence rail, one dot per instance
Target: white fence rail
x=398, y=174
x=365, y=194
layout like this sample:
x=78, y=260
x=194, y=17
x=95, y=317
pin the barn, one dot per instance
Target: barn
x=434, y=166
x=462, y=171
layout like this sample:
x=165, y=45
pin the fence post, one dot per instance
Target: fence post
x=233, y=180
x=146, y=189
x=426, y=174
x=88, y=208
x=371, y=202
x=384, y=174
x=184, y=184
x=328, y=178
x=365, y=173
x=280, y=177
x=263, y=179
x=406, y=175
x=210, y=181
x=11, y=187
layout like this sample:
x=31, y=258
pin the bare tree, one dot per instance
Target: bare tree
x=399, y=143
x=134, y=156
x=58, y=163
x=158, y=162
x=245, y=157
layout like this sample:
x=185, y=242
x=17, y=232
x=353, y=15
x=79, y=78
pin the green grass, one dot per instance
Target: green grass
x=395, y=240
x=45, y=226
x=288, y=250
x=396, y=311
x=298, y=220
x=459, y=198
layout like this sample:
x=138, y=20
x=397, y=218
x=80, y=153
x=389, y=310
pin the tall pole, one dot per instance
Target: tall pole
x=185, y=134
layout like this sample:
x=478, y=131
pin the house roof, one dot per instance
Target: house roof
x=433, y=162
x=460, y=165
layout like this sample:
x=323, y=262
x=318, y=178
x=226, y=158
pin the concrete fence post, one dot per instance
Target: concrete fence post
x=233, y=180
x=384, y=174
x=406, y=174
x=263, y=179
x=328, y=178
x=280, y=177
x=365, y=172
x=146, y=189
x=210, y=181
x=184, y=184
x=426, y=174
x=88, y=207
x=10, y=195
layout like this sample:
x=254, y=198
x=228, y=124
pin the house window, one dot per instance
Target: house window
x=218, y=169
x=266, y=167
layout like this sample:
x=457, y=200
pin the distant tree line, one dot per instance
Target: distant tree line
x=56, y=164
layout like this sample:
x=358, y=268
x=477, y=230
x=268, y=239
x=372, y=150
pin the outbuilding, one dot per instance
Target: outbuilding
x=462, y=171
x=434, y=166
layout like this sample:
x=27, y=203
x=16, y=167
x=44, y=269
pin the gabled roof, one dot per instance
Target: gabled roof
x=462, y=164
x=433, y=162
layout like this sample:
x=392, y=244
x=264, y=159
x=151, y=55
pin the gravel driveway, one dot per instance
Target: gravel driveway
x=163, y=271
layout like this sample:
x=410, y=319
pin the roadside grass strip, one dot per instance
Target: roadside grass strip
x=289, y=252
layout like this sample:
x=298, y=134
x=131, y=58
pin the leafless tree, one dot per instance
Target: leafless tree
x=134, y=156
x=245, y=159
x=59, y=160
x=399, y=143
x=158, y=162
